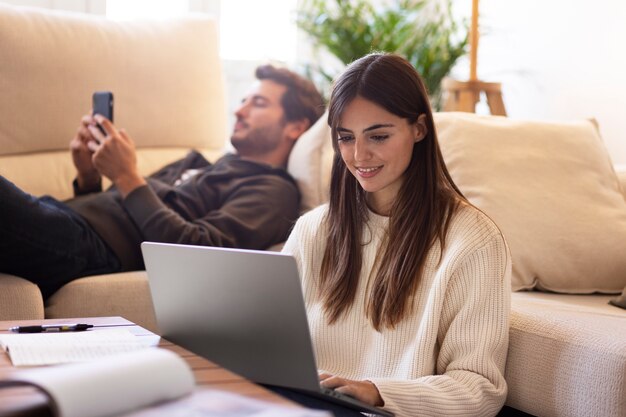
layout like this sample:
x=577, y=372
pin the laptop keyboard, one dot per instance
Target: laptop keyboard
x=343, y=397
x=336, y=394
x=358, y=405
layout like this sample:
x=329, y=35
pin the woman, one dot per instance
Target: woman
x=406, y=284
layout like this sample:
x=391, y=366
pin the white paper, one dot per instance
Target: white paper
x=113, y=385
x=214, y=403
x=56, y=348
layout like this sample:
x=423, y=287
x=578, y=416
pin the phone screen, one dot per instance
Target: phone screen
x=102, y=104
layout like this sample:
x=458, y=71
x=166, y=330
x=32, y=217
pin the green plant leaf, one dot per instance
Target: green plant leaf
x=423, y=31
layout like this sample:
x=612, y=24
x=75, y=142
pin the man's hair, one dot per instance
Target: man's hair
x=301, y=100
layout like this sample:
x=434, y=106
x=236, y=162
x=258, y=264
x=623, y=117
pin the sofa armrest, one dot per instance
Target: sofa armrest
x=19, y=299
x=123, y=294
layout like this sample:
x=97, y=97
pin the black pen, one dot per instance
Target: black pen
x=52, y=328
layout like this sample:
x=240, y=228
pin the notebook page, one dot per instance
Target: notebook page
x=55, y=348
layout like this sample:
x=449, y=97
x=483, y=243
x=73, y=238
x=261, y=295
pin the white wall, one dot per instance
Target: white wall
x=99, y=6
x=88, y=6
x=557, y=59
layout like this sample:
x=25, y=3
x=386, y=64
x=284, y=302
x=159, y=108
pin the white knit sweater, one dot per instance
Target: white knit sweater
x=448, y=356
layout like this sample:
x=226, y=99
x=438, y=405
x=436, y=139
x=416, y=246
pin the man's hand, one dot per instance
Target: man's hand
x=365, y=391
x=114, y=156
x=87, y=175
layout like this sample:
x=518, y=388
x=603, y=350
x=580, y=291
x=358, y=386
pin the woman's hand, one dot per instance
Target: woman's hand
x=364, y=391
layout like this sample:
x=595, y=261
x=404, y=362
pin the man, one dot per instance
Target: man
x=244, y=200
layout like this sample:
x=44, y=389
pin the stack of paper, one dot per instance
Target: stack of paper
x=109, y=386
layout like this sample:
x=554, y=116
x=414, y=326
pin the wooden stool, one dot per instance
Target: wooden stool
x=464, y=95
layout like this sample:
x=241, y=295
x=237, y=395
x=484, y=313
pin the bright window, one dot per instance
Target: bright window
x=145, y=9
x=258, y=30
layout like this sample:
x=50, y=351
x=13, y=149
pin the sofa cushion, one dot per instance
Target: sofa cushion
x=552, y=189
x=124, y=294
x=19, y=299
x=310, y=164
x=168, y=96
x=567, y=355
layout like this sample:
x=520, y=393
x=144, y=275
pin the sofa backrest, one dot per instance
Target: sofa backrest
x=166, y=77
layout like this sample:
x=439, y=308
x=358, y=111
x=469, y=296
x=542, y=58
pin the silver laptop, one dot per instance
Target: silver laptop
x=242, y=309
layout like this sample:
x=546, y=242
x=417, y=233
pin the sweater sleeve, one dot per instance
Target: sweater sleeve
x=292, y=245
x=257, y=215
x=473, y=339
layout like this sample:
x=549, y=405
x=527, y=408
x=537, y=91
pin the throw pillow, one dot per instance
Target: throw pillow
x=552, y=190
x=310, y=163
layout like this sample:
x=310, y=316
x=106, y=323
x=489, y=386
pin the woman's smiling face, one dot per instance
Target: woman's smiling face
x=377, y=147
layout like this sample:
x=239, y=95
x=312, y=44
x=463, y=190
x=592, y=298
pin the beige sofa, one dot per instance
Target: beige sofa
x=550, y=187
x=169, y=94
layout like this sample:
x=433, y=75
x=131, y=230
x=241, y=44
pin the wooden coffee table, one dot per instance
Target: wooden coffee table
x=30, y=402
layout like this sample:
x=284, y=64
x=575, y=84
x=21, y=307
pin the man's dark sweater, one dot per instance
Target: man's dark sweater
x=232, y=203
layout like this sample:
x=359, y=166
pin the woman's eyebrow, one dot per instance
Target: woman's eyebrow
x=367, y=129
x=377, y=126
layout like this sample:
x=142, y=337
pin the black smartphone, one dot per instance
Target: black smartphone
x=102, y=103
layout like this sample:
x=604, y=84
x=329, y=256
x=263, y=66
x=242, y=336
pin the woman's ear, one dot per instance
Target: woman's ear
x=421, y=130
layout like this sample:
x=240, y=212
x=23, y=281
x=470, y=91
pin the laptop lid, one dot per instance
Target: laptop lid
x=241, y=309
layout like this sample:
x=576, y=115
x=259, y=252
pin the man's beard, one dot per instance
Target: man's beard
x=258, y=141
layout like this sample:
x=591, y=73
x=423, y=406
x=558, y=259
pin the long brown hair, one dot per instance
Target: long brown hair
x=420, y=214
